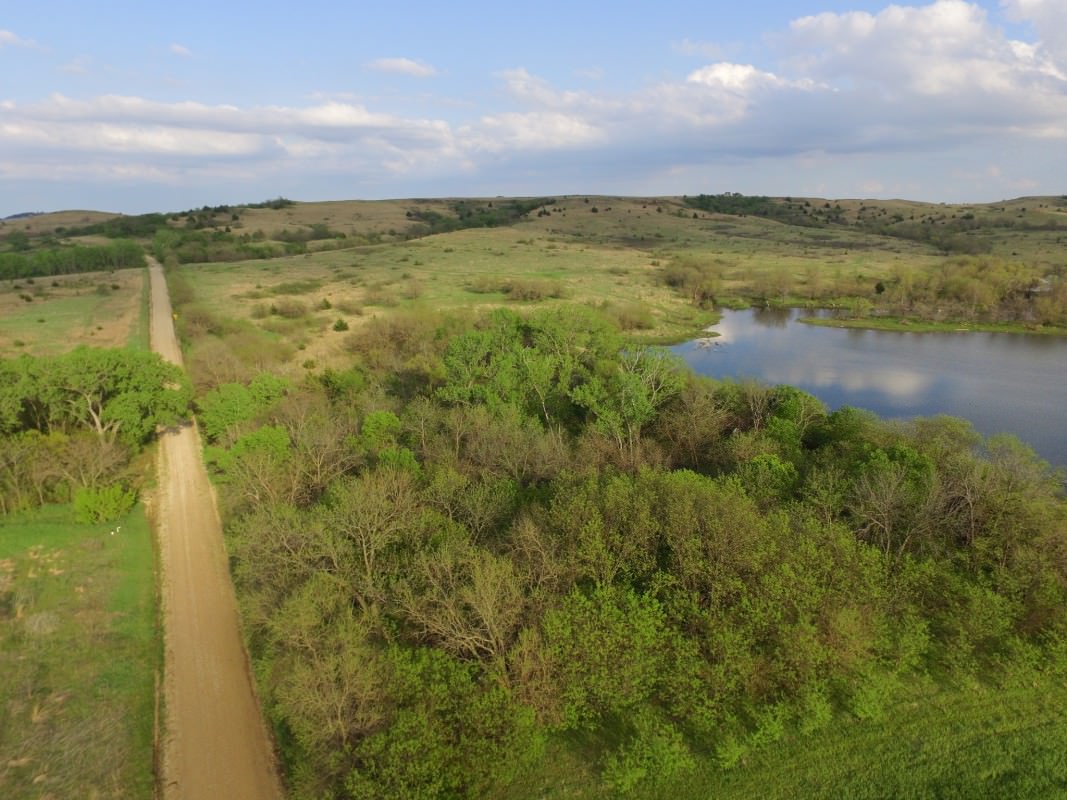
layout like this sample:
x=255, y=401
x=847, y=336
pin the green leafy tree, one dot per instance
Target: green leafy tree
x=625, y=399
x=117, y=394
x=224, y=408
x=451, y=735
x=607, y=650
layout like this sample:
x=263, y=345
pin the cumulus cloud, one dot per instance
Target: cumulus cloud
x=403, y=66
x=909, y=82
x=173, y=139
x=945, y=48
x=1047, y=17
x=533, y=131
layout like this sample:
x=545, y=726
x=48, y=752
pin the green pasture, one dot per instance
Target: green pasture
x=72, y=310
x=79, y=654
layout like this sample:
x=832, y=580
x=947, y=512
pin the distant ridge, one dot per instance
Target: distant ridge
x=24, y=215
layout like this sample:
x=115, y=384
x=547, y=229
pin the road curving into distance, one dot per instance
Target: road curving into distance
x=214, y=744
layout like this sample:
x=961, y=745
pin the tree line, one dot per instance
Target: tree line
x=118, y=254
x=479, y=544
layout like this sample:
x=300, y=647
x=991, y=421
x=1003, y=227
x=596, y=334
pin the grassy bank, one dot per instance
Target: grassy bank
x=78, y=656
x=911, y=325
x=971, y=742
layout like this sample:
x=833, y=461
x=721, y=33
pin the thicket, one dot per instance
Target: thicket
x=138, y=226
x=948, y=234
x=469, y=214
x=482, y=540
x=70, y=424
x=750, y=205
x=186, y=246
x=119, y=254
x=965, y=288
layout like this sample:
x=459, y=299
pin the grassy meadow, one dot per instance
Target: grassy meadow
x=379, y=259
x=79, y=654
x=105, y=309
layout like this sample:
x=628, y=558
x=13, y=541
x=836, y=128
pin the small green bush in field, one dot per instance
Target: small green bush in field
x=104, y=504
x=655, y=752
x=340, y=325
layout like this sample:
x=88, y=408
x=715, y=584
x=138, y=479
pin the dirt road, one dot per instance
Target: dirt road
x=215, y=745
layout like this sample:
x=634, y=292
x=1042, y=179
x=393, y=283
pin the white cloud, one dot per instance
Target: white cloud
x=742, y=78
x=180, y=50
x=847, y=94
x=946, y=48
x=403, y=66
x=193, y=141
x=11, y=39
x=1047, y=17
x=532, y=131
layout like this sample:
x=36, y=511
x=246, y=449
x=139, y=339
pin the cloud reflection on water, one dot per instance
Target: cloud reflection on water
x=1001, y=382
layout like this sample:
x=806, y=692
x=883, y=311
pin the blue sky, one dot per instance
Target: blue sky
x=139, y=106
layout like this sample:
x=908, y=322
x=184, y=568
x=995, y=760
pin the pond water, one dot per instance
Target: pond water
x=1001, y=382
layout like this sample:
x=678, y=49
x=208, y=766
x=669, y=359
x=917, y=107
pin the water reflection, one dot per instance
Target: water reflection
x=1002, y=382
x=772, y=316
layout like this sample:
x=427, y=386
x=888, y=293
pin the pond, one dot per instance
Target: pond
x=1001, y=382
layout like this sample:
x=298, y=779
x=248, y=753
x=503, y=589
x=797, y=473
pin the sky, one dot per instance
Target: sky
x=142, y=106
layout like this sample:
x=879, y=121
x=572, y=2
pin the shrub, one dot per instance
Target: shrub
x=350, y=307
x=483, y=284
x=104, y=504
x=290, y=309
x=630, y=316
x=340, y=325
x=531, y=290
x=657, y=751
x=381, y=297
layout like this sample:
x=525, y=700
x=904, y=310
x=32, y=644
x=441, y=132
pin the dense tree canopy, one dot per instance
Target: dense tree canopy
x=71, y=422
x=542, y=534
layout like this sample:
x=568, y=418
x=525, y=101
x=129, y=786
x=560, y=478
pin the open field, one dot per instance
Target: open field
x=300, y=298
x=79, y=651
x=104, y=309
x=609, y=252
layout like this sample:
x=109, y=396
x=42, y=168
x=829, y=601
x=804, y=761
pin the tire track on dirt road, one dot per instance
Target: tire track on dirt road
x=215, y=745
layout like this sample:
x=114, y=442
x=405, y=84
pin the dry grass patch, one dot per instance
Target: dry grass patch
x=97, y=308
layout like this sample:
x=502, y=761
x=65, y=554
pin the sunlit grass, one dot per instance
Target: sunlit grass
x=78, y=656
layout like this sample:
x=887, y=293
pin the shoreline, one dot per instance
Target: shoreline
x=910, y=325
